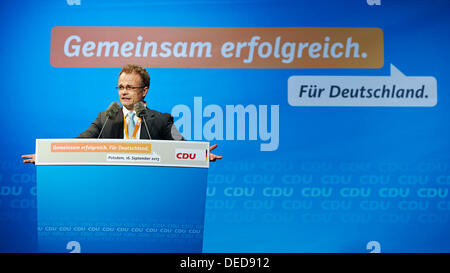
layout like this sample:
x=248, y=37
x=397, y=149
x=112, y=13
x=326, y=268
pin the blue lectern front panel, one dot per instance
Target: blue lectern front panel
x=120, y=208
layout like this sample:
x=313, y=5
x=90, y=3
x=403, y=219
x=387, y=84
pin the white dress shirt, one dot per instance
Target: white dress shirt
x=138, y=133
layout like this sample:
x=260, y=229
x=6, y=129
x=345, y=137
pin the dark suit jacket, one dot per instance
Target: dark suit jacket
x=160, y=126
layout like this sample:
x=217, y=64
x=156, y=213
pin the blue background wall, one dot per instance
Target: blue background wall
x=368, y=165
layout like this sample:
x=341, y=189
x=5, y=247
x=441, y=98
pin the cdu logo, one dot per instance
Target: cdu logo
x=186, y=156
x=190, y=154
x=73, y=2
x=374, y=2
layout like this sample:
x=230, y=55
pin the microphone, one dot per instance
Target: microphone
x=110, y=113
x=140, y=109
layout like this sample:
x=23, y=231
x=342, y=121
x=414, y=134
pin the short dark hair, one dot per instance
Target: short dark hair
x=134, y=68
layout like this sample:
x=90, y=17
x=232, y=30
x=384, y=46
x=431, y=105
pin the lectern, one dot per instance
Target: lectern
x=121, y=196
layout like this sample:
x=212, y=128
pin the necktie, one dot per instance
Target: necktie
x=131, y=125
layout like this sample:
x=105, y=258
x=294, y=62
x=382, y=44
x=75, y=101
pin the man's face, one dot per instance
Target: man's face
x=129, y=95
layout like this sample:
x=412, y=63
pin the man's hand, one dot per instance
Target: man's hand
x=31, y=158
x=213, y=157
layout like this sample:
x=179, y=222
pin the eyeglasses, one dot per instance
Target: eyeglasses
x=128, y=87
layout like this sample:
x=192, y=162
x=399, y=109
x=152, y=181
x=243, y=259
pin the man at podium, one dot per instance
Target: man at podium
x=127, y=122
